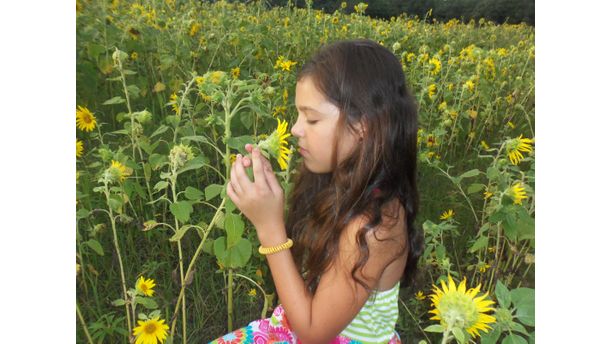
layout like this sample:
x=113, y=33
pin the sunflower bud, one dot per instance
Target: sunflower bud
x=180, y=155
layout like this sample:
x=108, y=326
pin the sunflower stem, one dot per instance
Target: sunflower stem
x=116, y=242
x=83, y=324
x=180, y=252
x=193, y=260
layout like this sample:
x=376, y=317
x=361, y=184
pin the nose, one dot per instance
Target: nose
x=297, y=129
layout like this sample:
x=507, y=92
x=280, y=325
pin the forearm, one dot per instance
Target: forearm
x=291, y=289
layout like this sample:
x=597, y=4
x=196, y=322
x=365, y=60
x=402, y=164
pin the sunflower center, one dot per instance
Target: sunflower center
x=144, y=287
x=87, y=118
x=151, y=328
x=458, y=308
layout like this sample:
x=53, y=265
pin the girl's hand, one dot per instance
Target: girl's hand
x=261, y=201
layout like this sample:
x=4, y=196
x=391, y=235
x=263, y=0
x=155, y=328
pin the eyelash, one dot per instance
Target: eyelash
x=311, y=122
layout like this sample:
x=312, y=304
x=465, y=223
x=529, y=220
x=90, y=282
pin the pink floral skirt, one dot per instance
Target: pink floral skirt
x=276, y=329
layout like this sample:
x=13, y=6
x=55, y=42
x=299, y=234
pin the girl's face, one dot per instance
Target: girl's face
x=316, y=126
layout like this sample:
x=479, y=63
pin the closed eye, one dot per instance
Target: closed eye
x=311, y=122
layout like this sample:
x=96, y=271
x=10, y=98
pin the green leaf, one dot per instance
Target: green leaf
x=133, y=91
x=502, y=294
x=118, y=302
x=240, y=254
x=114, y=100
x=115, y=202
x=181, y=210
x=434, y=328
x=212, y=190
x=473, y=188
x=82, y=213
x=157, y=160
x=480, y=243
x=161, y=185
x=514, y=339
x=178, y=235
x=95, y=245
x=524, y=301
x=234, y=226
x=147, y=302
x=195, y=163
x=459, y=335
x=208, y=246
x=162, y=129
x=518, y=328
x=492, y=336
x=239, y=142
x=196, y=138
x=193, y=193
x=247, y=119
x=510, y=227
x=470, y=173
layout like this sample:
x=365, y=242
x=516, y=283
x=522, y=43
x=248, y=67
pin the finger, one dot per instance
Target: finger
x=273, y=182
x=258, y=168
x=234, y=179
x=246, y=161
x=249, y=147
x=241, y=177
x=232, y=193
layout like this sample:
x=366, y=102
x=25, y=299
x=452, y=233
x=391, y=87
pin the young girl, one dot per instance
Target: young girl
x=348, y=241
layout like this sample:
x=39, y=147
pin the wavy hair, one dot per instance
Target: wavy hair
x=366, y=82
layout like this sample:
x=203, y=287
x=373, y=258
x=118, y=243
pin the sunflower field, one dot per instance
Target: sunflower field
x=168, y=92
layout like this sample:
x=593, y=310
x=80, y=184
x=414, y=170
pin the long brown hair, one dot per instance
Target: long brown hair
x=366, y=82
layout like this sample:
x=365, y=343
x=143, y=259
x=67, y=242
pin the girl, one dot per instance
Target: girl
x=348, y=241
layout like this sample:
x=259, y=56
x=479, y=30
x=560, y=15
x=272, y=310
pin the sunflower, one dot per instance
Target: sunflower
x=236, y=72
x=145, y=286
x=284, y=64
x=79, y=148
x=517, y=191
x=86, y=121
x=276, y=144
x=174, y=103
x=118, y=171
x=419, y=296
x=514, y=147
x=437, y=65
x=447, y=214
x=431, y=90
x=150, y=331
x=456, y=307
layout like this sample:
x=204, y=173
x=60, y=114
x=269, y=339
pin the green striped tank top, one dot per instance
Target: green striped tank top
x=375, y=322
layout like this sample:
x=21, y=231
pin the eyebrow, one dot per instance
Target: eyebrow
x=308, y=108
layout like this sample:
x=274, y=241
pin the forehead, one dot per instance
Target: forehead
x=309, y=99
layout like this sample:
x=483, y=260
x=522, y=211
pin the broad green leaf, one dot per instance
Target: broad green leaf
x=524, y=301
x=480, y=243
x=492, y=336
x=514, y=339
x=95, y=245
x=178, y=235
x=208, y=246
x=518, y=328
x=220, y=250
x=195, y=163
x=240, y=254
x=234, y=226
x=182, y=210
x=114, y=100
x=510, y=227
x=502, y=294
x=193, y=193
x=473, y=188
x=197, y=138
x=118, y=302
x=157, y=160
x=434, y=328
x=149, y=303
x=247, y=119
x=162, y=129
x=115, y=202
x=470, y=173
x=161, y=185
x=82, y=213
x=459, y=335
x=239, y=142
x=212, y=190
